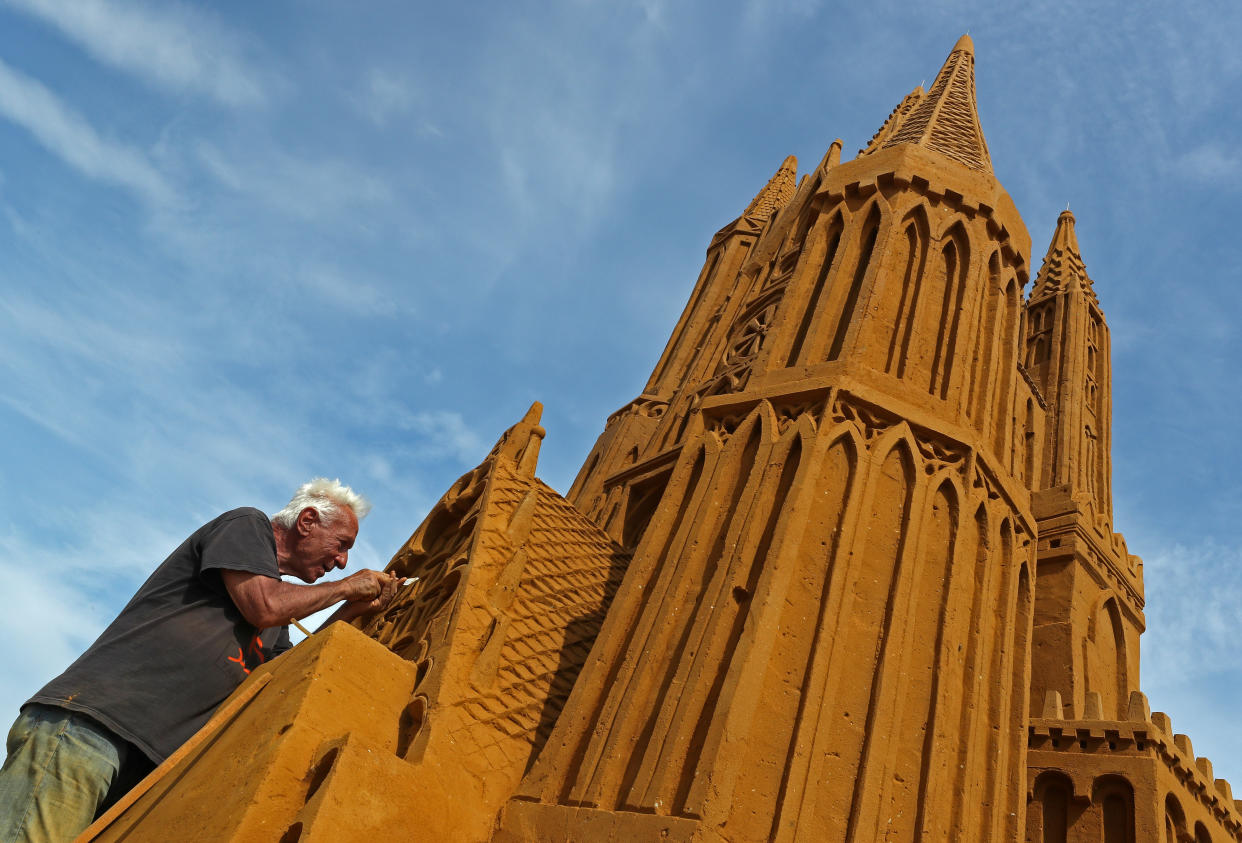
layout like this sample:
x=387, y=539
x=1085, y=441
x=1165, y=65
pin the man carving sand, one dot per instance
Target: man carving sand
x=214, y=609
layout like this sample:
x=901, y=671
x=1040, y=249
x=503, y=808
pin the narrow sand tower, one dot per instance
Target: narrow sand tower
x=823, y=634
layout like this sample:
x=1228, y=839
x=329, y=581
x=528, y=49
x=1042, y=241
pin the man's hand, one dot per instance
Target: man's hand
x=365, y=585
x=367, y=592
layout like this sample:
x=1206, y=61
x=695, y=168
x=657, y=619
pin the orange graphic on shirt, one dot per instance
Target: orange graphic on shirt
x=255, y=647
x=241, y=660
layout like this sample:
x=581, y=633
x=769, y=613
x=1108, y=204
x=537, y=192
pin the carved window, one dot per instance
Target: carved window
x=1093, y=375
x=1115, y=798
x=954, y=257
x=1050, y=822
x=1039, y=334
x=870, y=231
x=817, y=292
x=980, y=384
x=1174, y=820
x=642, y=501
x=746, y=343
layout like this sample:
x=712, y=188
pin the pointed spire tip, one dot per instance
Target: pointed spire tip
x=964, y=43
x=777, y=192
x=533, y=414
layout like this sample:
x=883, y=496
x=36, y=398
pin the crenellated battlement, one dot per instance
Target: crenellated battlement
x=1142, y=747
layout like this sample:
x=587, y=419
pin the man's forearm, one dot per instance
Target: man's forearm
x=297, y=601
x=267, y=601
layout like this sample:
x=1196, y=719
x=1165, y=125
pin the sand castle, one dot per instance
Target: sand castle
x=844, y=571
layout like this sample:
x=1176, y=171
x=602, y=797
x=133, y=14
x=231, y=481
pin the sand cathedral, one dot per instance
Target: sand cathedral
x=845, y=570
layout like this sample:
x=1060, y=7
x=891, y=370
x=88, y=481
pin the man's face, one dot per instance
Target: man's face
x=321, y=546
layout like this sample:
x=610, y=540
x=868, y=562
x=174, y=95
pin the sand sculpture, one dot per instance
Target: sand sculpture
x=844, y=571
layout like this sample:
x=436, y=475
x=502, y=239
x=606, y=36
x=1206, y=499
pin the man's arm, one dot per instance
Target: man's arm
x=267, y=601
x=348, y=611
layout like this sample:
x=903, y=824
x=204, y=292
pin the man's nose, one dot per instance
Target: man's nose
x=341, y=559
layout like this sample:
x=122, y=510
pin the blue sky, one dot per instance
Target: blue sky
x=242, y=244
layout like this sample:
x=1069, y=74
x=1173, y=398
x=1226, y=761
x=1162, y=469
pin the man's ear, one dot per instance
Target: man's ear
x=307, y=519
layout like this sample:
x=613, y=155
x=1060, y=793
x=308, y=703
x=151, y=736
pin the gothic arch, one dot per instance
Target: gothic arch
x=1049, y=815
x=1174, y=820
x=803, y=426
x=1029, y=445
x=743, y=563
x=873, y=216
x=1114, y=797
x=897, y=435
x=880, y=559
x=950, y=476
x=985, y=342
x=641, y=508
x=843, y=430
x=955, y=257
x=826, y=249
x=1104, y=656
x=810, y=216
x=668, y=522
x=920, y=727
x=1039, y=352
x=895, y=314
x=1008, y=347
x=766, y=414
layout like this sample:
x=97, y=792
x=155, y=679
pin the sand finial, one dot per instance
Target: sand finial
x=945, y=118
x=777, y=192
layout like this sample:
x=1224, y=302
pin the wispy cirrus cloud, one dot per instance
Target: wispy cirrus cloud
x=1211, y=163
x=383, y=96
x=298, y=186
x=1192, y=610
x=67, y=134
x=170, y=45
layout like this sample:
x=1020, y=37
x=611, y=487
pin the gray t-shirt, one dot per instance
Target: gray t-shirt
x=180, y=646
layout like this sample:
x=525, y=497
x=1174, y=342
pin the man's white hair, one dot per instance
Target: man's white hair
x=325, y=497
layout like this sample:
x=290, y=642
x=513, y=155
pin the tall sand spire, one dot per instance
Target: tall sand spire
x=776, y=193
x=1063, y=267
x=945, y=119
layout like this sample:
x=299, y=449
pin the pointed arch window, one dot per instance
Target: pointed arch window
x=870, y=230
x=954, y=257
x=817, y=291
x=911, y=255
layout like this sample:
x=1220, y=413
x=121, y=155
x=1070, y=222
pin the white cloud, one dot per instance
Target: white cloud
x=761, y=10
x=1210, y=163
x=300, y=187
x=67, y=134
x=446, y=435
x=169, y=45
x=385, y=95
x=1192, y=612
x=346, y=291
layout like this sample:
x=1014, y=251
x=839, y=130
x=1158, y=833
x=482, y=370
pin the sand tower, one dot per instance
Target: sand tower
x=826, y=617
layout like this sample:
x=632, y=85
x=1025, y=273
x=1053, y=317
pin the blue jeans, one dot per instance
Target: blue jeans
x=59, y=771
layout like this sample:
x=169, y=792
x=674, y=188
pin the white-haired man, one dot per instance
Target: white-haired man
x=213, y=611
